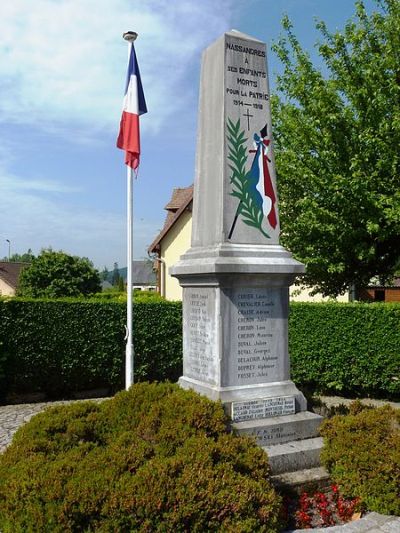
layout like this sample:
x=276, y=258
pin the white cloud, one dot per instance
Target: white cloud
x=41, y=220
x=12, y=184
x=65, y=60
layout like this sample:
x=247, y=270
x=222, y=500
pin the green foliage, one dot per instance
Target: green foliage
x=337, y=133
x=352, y=349
x=121, y=285
x=116, y=276
x=148, y=296
x=26, y=257
x=56, y=274
x=155, y=458
x=62, y=346
x=110, y=294
x=362, y=453
x=104, y=274
x=249, y=211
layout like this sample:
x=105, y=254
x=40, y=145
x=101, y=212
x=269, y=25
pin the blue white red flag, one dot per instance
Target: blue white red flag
x=260, y=182
x=134, y=105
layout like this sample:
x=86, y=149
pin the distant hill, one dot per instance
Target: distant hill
x=142, y=274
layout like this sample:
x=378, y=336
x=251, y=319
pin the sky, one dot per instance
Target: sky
x=62, y=77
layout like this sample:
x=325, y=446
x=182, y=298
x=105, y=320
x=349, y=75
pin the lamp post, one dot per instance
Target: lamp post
x=9, y=249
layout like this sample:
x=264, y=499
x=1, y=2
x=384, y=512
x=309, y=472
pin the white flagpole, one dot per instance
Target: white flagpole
x=129, y=350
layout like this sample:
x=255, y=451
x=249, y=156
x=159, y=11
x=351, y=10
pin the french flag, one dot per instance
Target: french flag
x=133, y=106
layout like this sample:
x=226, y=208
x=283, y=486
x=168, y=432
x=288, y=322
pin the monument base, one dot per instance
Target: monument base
x=244, y=393
x=290, y=440
x=235, y=346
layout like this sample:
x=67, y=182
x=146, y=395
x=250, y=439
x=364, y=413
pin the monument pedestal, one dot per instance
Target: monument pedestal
x=235, y=343
x=236, y=276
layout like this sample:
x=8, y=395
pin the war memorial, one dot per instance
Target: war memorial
x=236, y=275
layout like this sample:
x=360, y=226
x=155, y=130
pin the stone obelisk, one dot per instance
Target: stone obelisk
x=236, y=276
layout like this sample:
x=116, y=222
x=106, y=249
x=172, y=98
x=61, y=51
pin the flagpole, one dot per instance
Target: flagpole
x=129, y=349
x=129, y=140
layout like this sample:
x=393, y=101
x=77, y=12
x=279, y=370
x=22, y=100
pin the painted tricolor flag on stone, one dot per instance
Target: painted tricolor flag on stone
x=134, y=105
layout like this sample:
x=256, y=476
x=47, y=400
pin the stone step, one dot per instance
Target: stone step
x=309, y=479
x=281, y=429
x=295, y=455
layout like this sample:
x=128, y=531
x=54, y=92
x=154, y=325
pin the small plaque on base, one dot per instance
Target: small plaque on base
x=263, y=408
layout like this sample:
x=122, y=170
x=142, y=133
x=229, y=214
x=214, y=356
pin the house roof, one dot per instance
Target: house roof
x=143, y=273
x=394, y=284
x=181, y=201
x=9, y=272
x=179, y=197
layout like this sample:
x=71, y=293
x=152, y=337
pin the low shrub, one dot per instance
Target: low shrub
x=154, y=458
x=362, y=453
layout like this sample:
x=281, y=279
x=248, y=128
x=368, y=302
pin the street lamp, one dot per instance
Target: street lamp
x=9, y=249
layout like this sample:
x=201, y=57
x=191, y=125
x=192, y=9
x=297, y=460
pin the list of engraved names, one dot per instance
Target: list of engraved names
x=255, y=335
x=199, y=334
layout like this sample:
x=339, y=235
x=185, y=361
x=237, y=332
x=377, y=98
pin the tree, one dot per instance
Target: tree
x=57, y=274
x=115, y=276
x=121, y=284
x=27, y=257
x=104, y=274
x=337, y=138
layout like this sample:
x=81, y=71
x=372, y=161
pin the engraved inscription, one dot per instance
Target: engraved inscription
x=275, y=435
x=246, y=86
x=199, y=334
x=263, y=408
x=255, y=337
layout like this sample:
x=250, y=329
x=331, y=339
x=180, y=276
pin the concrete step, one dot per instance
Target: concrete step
x=281, y=429
x=295, y=455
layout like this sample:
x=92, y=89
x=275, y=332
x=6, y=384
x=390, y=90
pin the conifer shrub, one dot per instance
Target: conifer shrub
x=362, y=453
x=154, y=458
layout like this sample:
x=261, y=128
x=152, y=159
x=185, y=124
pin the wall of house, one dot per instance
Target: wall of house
x=173, y=245
x=380, y=294
x=5, y=289
x=177, y=242
x=300, y=294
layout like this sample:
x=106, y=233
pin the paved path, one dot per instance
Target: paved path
x=13, y=416
x=371, y=523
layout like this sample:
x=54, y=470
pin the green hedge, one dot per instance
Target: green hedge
x=351, y=349
x=61, y=346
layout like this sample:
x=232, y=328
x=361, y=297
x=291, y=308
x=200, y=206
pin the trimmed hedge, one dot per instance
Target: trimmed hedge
x=63, y=346
x=350, y=348
x=362, y=453
x=154, y=458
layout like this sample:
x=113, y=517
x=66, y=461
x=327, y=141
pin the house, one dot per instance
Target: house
x=381, y=293
x=173, y=241
x=9, y=277
x=143, y=276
